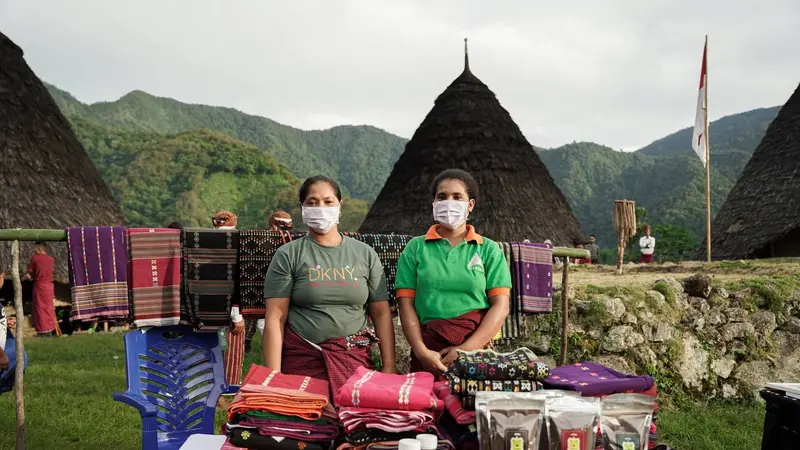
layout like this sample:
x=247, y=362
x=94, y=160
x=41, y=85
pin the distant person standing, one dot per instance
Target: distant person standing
x=594, y=250
x=647, y=246
x=40, y=270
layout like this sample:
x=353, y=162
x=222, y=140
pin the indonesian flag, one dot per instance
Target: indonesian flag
x=700, y=124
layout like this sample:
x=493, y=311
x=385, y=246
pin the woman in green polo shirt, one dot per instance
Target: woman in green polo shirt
x=453, y=285
x=320, y=291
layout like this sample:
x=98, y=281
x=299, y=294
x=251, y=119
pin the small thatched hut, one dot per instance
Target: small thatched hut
x=469, y=129
x=46, y=178
x=761, y=216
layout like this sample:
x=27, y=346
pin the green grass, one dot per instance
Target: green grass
x=69, y=382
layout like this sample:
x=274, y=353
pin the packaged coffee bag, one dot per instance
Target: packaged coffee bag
x=572, y=422
x=515, y=424
x=625, y=421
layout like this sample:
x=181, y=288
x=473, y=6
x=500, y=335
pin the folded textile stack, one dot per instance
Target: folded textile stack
x=273, y=411
x=378, y=409
x=487, y=370
x=595, y=380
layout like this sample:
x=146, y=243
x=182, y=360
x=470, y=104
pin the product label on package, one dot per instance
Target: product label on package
x=516, y=439
x=573, y=439
x=628, y=442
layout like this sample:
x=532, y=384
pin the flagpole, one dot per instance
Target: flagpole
x=708, y=163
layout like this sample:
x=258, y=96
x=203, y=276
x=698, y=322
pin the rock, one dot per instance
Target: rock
x=617, y=363
x=659, y=332
x=614, y=307
x=644, y=356
x=699, y=304
x=656, y=299
x=693, y=363
x=574, y=328
x=723, y=367
x=739, y=330
x=621, y=338
x=736, y=348
x=718, y=302
x=736, y=314
x=645, y=316
x=698, y=286
x=753, y=375
x=720, y=292
x=729, y=392
x=629, y=319
x=715, y=318
x=681, y=301
x=793, y=326
x=595, y=334
x=764, y=322
x=582, y=306
x=674, y=284
x=540, y=343
x=694, y=320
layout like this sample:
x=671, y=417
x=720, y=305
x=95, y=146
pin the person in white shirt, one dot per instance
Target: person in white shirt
x=647, y=246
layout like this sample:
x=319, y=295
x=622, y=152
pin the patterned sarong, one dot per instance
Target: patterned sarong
x=388, y=247
x=371, y=389
x=155, y=276
x=98, y=272
x=515, y=321
x=532, y=268
x=256, y=248
x=210, y=277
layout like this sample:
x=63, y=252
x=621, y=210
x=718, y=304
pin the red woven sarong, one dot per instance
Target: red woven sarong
x=371, y=389
x=437, y=335
x=155, y=276
x=334, y=360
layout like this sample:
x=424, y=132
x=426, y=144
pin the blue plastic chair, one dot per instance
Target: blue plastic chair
x=175, y=377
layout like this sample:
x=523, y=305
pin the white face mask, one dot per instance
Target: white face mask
x=450, y=214
x=320, y=219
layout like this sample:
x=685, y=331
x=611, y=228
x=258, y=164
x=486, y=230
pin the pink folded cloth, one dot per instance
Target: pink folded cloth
x=393, y=421
x=371, y=389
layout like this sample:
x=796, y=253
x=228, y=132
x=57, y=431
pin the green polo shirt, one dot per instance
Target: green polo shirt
x=448, y=281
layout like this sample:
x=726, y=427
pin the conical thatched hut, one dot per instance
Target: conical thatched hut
x=761, y=216
x=468, y=129
x=46, y=178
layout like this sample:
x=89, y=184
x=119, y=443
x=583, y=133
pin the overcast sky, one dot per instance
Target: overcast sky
x=620, y=73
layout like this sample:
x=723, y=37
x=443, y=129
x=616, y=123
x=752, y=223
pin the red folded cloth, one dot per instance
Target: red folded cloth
x=371, y=389
x=453, y=404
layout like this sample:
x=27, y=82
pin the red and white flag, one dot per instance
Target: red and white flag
x=700, y=121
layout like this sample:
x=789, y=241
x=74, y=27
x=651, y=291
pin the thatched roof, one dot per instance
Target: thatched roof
x=468, y=129
x=46, y=178
x=764, y=205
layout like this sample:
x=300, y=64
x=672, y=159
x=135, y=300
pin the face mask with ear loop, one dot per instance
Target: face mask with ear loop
x=450, y=214
x=320, y=219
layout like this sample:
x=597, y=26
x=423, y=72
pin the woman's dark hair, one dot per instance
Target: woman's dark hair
x=175, y=225
x=460, y=175
x=318, y=179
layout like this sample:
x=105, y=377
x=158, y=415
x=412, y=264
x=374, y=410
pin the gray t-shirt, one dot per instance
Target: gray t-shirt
x=594, y=250
x=329, y=287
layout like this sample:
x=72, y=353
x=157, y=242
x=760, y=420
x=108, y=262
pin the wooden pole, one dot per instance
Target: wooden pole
x=708, y=162
x=562, y=358
x=33, y=235
x=20, y=348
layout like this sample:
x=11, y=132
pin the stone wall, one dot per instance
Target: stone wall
x=698, y=338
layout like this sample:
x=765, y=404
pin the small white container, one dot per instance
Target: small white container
x=428, y=441
x=408, y=444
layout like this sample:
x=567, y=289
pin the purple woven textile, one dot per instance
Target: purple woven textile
x=98, y=272
x=591, y=379
x=532, y=266
x=292, y=429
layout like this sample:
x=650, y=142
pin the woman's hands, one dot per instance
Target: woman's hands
x=431, y=361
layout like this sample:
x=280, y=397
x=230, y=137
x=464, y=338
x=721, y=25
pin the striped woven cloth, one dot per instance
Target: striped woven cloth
x=210, y=277
x=98, y=274
x=154, y=276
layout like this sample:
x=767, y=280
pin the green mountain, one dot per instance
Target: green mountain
x=161, y=162
x=359, y=157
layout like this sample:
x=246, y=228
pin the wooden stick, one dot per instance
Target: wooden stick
x=20, y=369
x=562, y=359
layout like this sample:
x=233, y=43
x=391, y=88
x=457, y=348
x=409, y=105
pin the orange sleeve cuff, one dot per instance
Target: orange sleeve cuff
x=406, y=293
x=498, y=291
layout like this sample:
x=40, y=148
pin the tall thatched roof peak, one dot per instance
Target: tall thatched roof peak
x=469, y=129
x=46, y=178
x=762, y=210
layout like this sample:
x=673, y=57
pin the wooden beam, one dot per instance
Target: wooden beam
x=20, y=348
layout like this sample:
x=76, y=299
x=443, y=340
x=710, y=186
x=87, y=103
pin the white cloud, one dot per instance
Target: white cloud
x=621, y=73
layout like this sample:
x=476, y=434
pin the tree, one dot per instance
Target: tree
x=674, y=242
